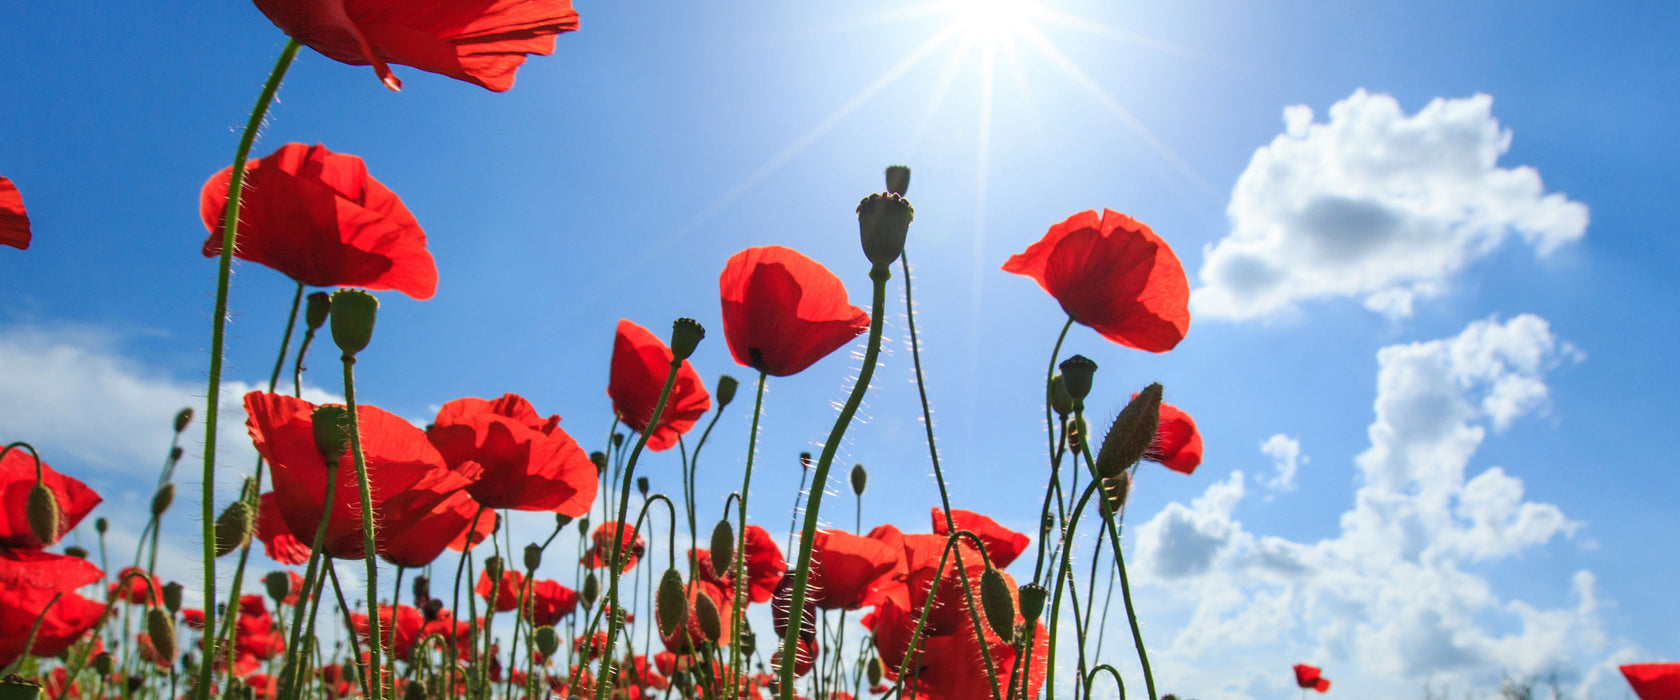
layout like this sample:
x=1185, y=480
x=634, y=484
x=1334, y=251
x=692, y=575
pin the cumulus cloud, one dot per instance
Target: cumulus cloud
x=1377, y=205
x=1398, y=594
x=1286, y=457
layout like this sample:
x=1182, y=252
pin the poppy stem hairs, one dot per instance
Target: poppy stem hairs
x=353, y=313
x=218, y=331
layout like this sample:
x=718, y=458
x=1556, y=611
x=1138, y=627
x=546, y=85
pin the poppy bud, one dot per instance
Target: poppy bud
x=422, y=588
x=332, y=432
x=874, y=670
x=642, y=485
x=671, y=605
x=561, y=520
x=599, y=459
x=279, y=585
x=533, y=556
x=175, y=454
x=495, y=523
x=161, y=628
x=172, y=596
x=725, y=393
x=898, y=182
x=1032, y=601
x=1077, y=373
x=77, y=552
x=884, y=222
x=353, y=313
x=999, y=605
x=1115, y=489
x=42, y=512
x=1132, y=433
x=1060, y=400
x=723, y=548
x=686, y=334
x=805, y=461
x=163, y=498
x=101, y=525
x=617, y=440
x=16, y=687
x=591, y=590
x=493, y=569
x=860, y=479
x=431, y=610
x=183, y=418
x=749, y=643
x=414, y=691
x=315, y=310
x=706, y=613
x=104, y=663
x=233, y=527
x=547, y=640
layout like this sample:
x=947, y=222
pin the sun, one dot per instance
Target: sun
x=987, y=21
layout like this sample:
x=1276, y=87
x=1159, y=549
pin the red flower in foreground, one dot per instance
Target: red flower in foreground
x=17, y=477
x=1310, y=677
x=28, y=581
x=949, y=667
x=601, y=551
x=1654, y=681
x=1114, y=275
x=482, y=42
x=1003, y=545
x=14, y=221
x=783, y=311
x=320, y=219
x=640, y=361
x=515, y=458
x=550, y=602
x=688, y=636
x=1178, y=445
x=278, y=541
x=844, y=567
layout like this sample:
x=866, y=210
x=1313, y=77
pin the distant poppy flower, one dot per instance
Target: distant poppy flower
x=590, y=645
x=295, y=591
x=764, y=562
x=1654, y=681
x=254, y=631
x=601, y=551
x=550, y=603
x=804, y=657
x=1113, y=274
x=507, y=590
x=783, y=311
x=14, y=221
x=278, y=542
x=1178, y=445
x=193, y=617
x=136, y=590
x=407, y=480
x=482, y=42
x=17, y=477
x=844, y=567
x=638, y=674
x=399, y=627
x=28, y=581
x=320, y=219
x=515, y=458
x=1310, y=677
x=1003, y=545
x=640, y=361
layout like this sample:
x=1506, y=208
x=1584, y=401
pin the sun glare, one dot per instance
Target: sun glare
x=987, y=21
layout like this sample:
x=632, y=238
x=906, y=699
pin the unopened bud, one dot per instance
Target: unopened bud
x=176, y=453
x=591, y=590
x=163, y=498
x=617, y=440
x=561, y=520
x=533, y=556
x=642, y=485
x=999, y=605
x=183, y=418
x=1132, y=433
x=1077, y=373
x=1060, y=400
x=101, y=525
x=493, y=569
x=42, y=512
x=599, y=459
x=685, y=336
x=16, y=687
x=422, y=589
x=805, y=461
x=233, y=527
x=875, y=670
x=898, y=182
x=104, y=663
x=725, y=393
x=583, y=525
x=706, y=613
x=353, y=314
x=331, y=424
x=548, y=641
x=76, y=552
x=315, y=309
x=1115, y=489
x=671, y=605
x=1032, y=601
x=172, y=596
x=723, y=548
x=414, y=691
x=279, y=585
x=161, y=628
x=884, y=223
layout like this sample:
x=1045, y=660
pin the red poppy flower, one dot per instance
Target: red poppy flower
x=783, y=311
x=278, y=542
x=669, y=663
x=844, y=567
x=765, y=566
x=14, y=221
x=601, y=551
x=1114, y=275
x=515, y=458
x=193, y=617
x=136, y=590
x=320, y=219
x=407, y=480
x=550, y=603
x=28, y=581
x=590, y=646
x=295, y=591
x=421, y=543
x=640, y=362
x=1310, y=677
x=638, y=674
x=254, y=631
x=482, y=43
x=507, y=590
x=17, y=477
x=949, y=666
x=399, y=635
x=1178, y=445
x=804, y=657
x=1654, y=681
x=1003, y=545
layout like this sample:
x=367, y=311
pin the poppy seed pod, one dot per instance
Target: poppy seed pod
x=101, y=526
x=353, y=314
x=670, y=604
x=999, y=605
x=330, y=424
x=898, y=182
x=315, y=310
x=591, y=590
x=805, y=461
x=561, y=520
x=875, y=670
x=547, y=640
x=1132, y=433
x=161, y=628
x=172, y=596
x=583, y=525
x=42, y=513
x=493, y=568
x=642, y=485
x=860, y=479
x=16, y=687
x=533, y=556
x=279, y=585
x=884, y=223
x=422, y=589
x=233, y=527
x=706, y=613
x=725, y=392
x=1060, y=400
x=176, y=453
x=76, y=552
x=183, y=418
x=723, y=548
x=599, y=459
x=104, y=663
x=163, y=498
x=686, y=334
x=1032, y=600
x=1077, y=373
x=414, y=691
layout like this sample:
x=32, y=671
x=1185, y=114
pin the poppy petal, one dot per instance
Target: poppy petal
x=14, y=221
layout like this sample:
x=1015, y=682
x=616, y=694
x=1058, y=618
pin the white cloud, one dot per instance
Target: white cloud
x=1286, y=457
x=1377, y=205
x=1390, y=599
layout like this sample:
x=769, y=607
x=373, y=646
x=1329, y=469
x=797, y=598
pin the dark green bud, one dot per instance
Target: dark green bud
x=163, y=498
x=414, y=691
x=642, y=485
x=583, y=525
x=172, y=596
x=999, y=605
x=1115, y=489
x=1032, y=601
x=685, y=336
x=101, y=526
x=1131, y=434
x=353, y=314
x=42, y=513
x=883, y=224
x=422, y=589
x=898, y=182
x=561, y=520
x=617, y=440
x=725, y=393
x=16, y=687
x=805, y=461
x=104, y=663
x=233, y=527
x=599, y=459
x=77, y=552
x=331, y=423
x=723, y=548
x=315, y=309
x=1077, y=373
x=175, y=454
x=183, y=418
x=591, y=590
x=548, y=641
x=875, y=670
x=160, y=626
x=671, y=603
x=533, y=556
x=1060, y=400
x=493, y=569
x=706, y=613
x=860, y=479
x=279, y=585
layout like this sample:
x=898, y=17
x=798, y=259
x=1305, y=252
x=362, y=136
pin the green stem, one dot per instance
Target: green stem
x=311, y=584
x=376, y=684
x=218, y=332
x=738, y=603
x=1120, y=562
x=872, y=352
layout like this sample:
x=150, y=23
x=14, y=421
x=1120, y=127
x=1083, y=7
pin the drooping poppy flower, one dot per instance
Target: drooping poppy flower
x=482, y=42
x=320, y=219
x=14, y=221
x=1311, y=678
x=28, y=581
x=506, y=591
x=278, y=541
x=783, y=311
x=407, y=481
x=132, y=585
x=844, y=568
x=1178, y=445
x=1003, y=545
x=515, y=458
x=399, y=628
x=17, y=477
x=764, y=562
x=550, y=603
x=600, y=552
x=640, y=362
x=1114, y=274
x=1654, y=681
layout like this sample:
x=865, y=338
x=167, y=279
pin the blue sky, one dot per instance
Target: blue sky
x=1491, y=294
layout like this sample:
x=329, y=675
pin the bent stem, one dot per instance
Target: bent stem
x=376, y=681
x=218, y=333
